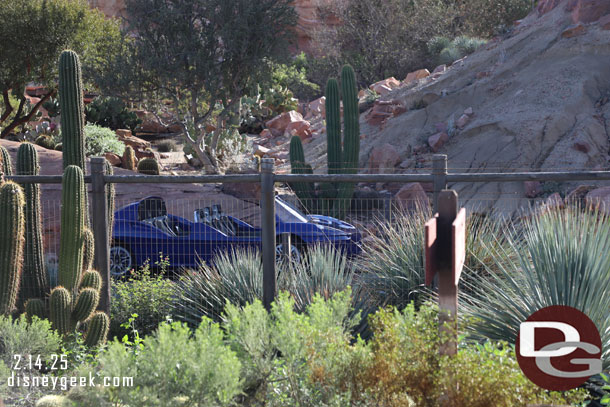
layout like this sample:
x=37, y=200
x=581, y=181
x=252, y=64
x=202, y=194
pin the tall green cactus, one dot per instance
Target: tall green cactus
x=110, y=194
x=88, y=250
x=334, y=198
x=98, y=329
x=7, y=169
x=129, y=159
x=60, y=309
x=12, y=236
x=71, y=239
x=34, y=279
x=72, y=110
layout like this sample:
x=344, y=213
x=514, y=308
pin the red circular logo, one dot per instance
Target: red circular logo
x=559, y=348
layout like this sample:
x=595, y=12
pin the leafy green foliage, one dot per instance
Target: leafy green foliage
x=293, y=75
x=557, y=257
x=445, y=51
x=100, y=140
x=279, y=100
x=144, y=294
x=111, y=112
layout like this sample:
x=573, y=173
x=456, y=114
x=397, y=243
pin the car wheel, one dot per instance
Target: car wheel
x=295, y=253
x=120, y=261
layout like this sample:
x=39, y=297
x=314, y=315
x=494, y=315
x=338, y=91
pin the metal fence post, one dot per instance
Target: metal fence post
x=439, y=171
x=268, y=230
x=99, y=223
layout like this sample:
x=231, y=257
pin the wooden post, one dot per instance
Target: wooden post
x=439, y=172
x=447, y=286
x=99, y=224
x=268, y=230
x=286, y=246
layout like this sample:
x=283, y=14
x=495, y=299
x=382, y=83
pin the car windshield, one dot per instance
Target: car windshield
x=287, y=213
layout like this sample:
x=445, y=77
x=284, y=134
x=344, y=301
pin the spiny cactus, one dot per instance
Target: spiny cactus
x=110, y=193
x=12, y=236
x=97, y=330
x=129, y=159
x=72, y=110
x=334, y=198
x=86, y=303
x=60, y=309
x=149, y=166
x=35, y=307
x=88, y=250
x=34, y=280
x=7, y=168
x=71, y=241
x=91, y=279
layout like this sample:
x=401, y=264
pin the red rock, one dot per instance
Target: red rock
x=416, y=75
x=301, y=128
x=164, y=156
x=281, y=122
x=266, y=134
x=544, y=6
x=437, y=141
x=440, y=69
x=411, y=196
x=573, y=31
x=113, y=159
x=532, y=188
x=146, y=154
x=462, y=121
x=588, y=11
x=599, y=197
x=582, y=146
x=554, y=201
x=604, y=22
x=126, y=138
x=318, y=107
x=383, y=159
x=385, y=86
x=150, y=123
x=383, y=110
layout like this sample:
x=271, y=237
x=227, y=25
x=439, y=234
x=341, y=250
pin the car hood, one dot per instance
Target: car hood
x=334, y=223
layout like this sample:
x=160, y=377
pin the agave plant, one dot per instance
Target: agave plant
x=557, y=257
x=392, y=265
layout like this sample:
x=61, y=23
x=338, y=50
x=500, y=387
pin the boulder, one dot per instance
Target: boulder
x=148, y=153
x=532, y=188
x=385, y=86
x=588, y=11
x=577, y=195
x=411, y=196
x=126, y=138
x=281, y=122
x=383, y=159
x=260, y=151
x=599, y=197
x=554, y=201
x=416, y=75
x=318, y=107
x=266, y=134
x=383, y=110
x=301, y=128
x=150, y=123
x=573, y=31
x=440, y=69
x=113, y=159
x=462, y=121
x=437, y=141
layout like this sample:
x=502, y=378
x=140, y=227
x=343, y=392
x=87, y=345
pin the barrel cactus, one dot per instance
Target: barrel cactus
x=98, y=329
x=72, y=110
x=129, y=159
x=12, y=239
x=34, y=280
x=149, y=166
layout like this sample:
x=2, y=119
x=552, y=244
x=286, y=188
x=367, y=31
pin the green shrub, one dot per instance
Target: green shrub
x=485, y=18
x=557, y=257
x=445, y=51
x=279, y=100
x=100, y=140
x=437, y=44
x=166, y=146
x=45, y=141
x=148, y=296
x=293, y=76
x=111, y=112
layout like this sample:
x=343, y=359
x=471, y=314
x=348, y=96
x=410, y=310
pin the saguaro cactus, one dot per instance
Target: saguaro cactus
x=110, y=193
x=129, y=159
x=333, y=198
x=34, y=279
x=72, y=110
x=12, y=232
x=71, y=242
x=6, y=169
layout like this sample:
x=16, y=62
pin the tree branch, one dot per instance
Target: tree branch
x=8, y=107
x=21, y=120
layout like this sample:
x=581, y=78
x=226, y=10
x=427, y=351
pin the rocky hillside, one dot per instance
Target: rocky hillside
x=536, y=99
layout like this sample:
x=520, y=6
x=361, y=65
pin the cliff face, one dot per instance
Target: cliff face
x=306, y=24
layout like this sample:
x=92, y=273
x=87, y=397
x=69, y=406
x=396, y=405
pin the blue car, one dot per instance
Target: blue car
x=143, y=230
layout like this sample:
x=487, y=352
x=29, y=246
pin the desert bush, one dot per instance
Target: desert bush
x=486, y=18
x=445, y=51
x=99, y=140
x=557, y=257
x=166, y=146
x=111, y=112
x=293, y=76
x=148, y=296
